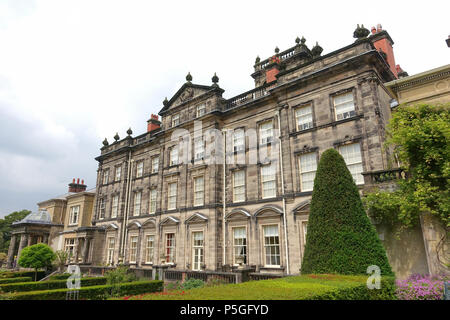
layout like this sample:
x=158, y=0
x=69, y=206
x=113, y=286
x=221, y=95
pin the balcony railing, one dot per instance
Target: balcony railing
x=383, y=176
x=286, y=54
x=248, y=96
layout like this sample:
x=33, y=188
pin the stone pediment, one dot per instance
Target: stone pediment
x=302, y=208
x=268, y=211
x=187, y=92
x=238, y=214
x=196, y=218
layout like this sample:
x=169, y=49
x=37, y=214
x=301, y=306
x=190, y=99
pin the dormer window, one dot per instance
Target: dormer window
x=201, y=110
x=175, y=120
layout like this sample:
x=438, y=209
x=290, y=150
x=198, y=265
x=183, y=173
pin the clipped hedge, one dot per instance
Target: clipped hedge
x=92, y=293
x=49, y=285
x=14, y=280
x=361, y=292
x=19, y=274
x=63, y=276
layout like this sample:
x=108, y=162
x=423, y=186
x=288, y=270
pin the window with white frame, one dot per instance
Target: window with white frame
x=197, y=250
x=266, y=132
x=239, y=244
x=271, y=245
x=149, y=248
x=137, y=203
x=155, y=164
x=69, y=247
x=105, y=176
x=305, y=230
x=304, y=117
x=199, y=191
x=199, y=149
x=352, y=156
x=74, y=214
x=268, y=176
x=201, y=110
x=170, y=247
x=308, y=167
x=110, y=254
x=133, y=248
x=115, y=206
x=102, y=204
x=140, y=169
x=118, y=174
x=238, y=140
x=172, y=196
x=175, y=120
x=173, y=155
x=239, y=186
x=344, y=106
x=152, y=207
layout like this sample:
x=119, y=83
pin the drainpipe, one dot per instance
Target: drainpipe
x=282, y=192
x=127, y=202
x=224, y=198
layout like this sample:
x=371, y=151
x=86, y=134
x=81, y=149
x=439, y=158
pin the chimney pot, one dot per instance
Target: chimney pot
x=82, y=181
x=374, y=30
x=73, y=181
x=78, y=181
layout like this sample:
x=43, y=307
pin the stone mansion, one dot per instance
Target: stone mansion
x=158, y=202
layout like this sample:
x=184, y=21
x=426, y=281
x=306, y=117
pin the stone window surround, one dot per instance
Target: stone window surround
x=297, y=155
x=352, y=140
x=262, y=243
x=339, y=92
x=190, y=244
x=294, y=116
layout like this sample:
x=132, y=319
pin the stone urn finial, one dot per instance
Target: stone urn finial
x=189, y=77
x=360, y=32
x=116, y=137
x=129, y=131
x=215, y=79
x=316, y=50
x=105, y=142
x=297, y=40
x=165, y=102
x=258, y=59
x=277, y=50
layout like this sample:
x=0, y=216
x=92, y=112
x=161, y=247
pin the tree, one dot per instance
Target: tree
x=340, y=239
x=3, y=258
x=5, y=227
x=37, y=256
x=61, y=259
x=420, y=137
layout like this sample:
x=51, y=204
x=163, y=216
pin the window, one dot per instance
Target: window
x=133, y=249
x=344, y=106
x=272, y=245
x=175, y=120
x=115, y=206
x=74, y=214
x=308, y=167
x=239, y=186
x=118, y=173
x=137, y=203
x=155, y=164
x=173, y=156
x=172, y=199
x=197, y=250
x=101, y=213
x=304, y=117
x=199, y=187
x=110, y=253
x=239, y=244
x=152, y=208
x=266, y=132
x=352, y=156
x=149, y=248
x=201, y=110
x=199, y=149
x=69, y=247
x=268, y=181
x=139, y=169
x=238, y=140
x=305, y=230
x=105, y=176
x=170, y=247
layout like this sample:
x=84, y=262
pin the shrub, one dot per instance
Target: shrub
x=61, y=257
x=118, y=276
x=48, y=285
x=63, y=276
x=192, y=283
x=91, y=293
x=18, y=274
x=14, y=280
x=421, y=287
x=37, y=256
x=340, y=239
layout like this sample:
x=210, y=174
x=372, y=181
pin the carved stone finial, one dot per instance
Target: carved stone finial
x=303, y=40
x=105, y=142
x=129, y=131
x=360, y=32
x=277, y=50
x=316, y=50
x=116, y=137
x=297, y=40
x=165, y=102
x=189, y=77
x=258, y=59
x=215, y=79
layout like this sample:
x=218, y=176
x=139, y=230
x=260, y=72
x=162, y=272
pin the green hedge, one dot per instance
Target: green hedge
x=361, y=292
x=63, y=276
x=19, y=274
x=49, y=285
x=92, y=293
x=14, y=280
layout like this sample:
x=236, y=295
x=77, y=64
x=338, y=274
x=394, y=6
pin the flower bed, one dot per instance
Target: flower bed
x=421, y=287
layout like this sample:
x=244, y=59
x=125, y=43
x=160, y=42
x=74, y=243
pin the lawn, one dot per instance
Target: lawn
x=288, y=288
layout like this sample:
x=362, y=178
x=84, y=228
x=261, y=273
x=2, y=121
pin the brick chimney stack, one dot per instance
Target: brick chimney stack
x=153, y=123
x=77, y=186
x=383, y=42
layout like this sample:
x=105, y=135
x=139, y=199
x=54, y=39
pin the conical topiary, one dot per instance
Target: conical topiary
x=340, y=238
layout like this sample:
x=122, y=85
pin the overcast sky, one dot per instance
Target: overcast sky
x=75, y=72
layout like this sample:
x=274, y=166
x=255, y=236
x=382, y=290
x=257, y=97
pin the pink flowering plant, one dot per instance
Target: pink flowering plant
x=421, y=287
